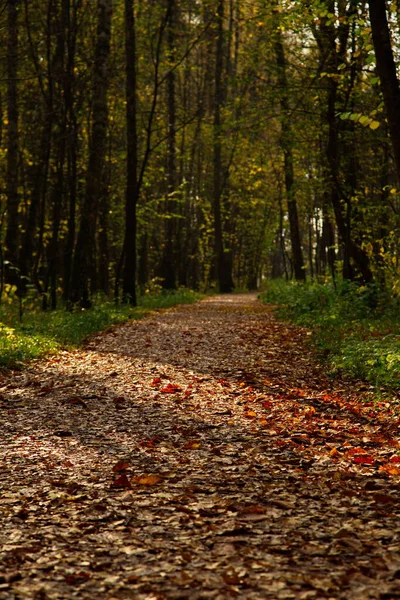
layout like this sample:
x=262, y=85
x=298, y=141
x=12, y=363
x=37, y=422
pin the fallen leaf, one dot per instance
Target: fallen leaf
x=121, y=482
x=121, y=465
x=171, y=388
x=365, y=459
x=147, y=480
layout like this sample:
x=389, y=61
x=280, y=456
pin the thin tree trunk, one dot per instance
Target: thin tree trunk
x=132, y=185
x=386, y=68
x=85, y=244
x=71, y=141
x=223, y=265
x=12, y=235
x=286, y=141
x=169, y=265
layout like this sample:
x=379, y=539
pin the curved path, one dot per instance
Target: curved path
x=200, y=453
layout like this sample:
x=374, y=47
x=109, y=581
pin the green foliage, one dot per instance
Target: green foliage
x=356, y=329
x=42, y=333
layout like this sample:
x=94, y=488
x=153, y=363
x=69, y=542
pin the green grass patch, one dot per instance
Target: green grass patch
x=356, y=329
x=40, y=333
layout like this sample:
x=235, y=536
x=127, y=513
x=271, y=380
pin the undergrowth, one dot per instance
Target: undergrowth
x=39, y=333
x=356, y=329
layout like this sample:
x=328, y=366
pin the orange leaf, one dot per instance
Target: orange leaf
x=250, y=414
x=309, y=411
x=194, y=445
x=390, y=470
x=171, y=388
x=147, y=480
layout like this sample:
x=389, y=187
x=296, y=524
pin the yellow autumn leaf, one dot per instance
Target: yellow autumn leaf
x=250, y=414
x=147, y=480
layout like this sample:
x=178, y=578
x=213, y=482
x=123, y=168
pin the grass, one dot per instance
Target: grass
x=40, y=333
x=356, y=329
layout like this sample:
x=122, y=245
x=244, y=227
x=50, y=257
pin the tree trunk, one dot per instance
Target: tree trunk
x=12, y=234
x=85, y=244
x=386, y=68
x=72, y=143
x=286, y=142
x=132, y=185
x=223, y=264
x=169, y=259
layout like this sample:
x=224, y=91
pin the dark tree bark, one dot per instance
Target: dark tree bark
x=386, y=68
x=169, y=265
x=223, y=263
x=286, y=142
x=132, y=185
x=333, y=46
x=61, y=26
x=72, y=139
x=83, y=261
x=12, y=234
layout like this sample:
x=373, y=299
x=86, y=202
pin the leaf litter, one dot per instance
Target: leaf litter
x=200, y=453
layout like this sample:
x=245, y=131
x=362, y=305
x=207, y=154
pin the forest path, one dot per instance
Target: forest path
x=200, y=453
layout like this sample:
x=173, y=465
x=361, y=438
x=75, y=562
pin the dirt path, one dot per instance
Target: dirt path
x=197, y=454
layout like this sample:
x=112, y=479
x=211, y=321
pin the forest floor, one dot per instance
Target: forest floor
x=201, y=453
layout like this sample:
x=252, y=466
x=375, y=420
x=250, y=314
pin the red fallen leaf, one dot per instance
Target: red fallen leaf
x=267, y=404
x=156, y=381
x=171, y=388
x=150, y=443
x=75, y=578
x=354, y=451
x=121, y=465
x=121, y=482
x=119, y=399
x=395, y=459
x=366, y=459
x=383, y=498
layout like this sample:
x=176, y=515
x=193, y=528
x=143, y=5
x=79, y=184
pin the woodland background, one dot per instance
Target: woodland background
x=197, y=143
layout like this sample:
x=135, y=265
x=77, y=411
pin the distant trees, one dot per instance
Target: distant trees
x=198, y=143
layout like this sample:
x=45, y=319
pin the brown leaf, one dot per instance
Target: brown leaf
x=77, y=401
x=121, y=482
x=121, y=465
